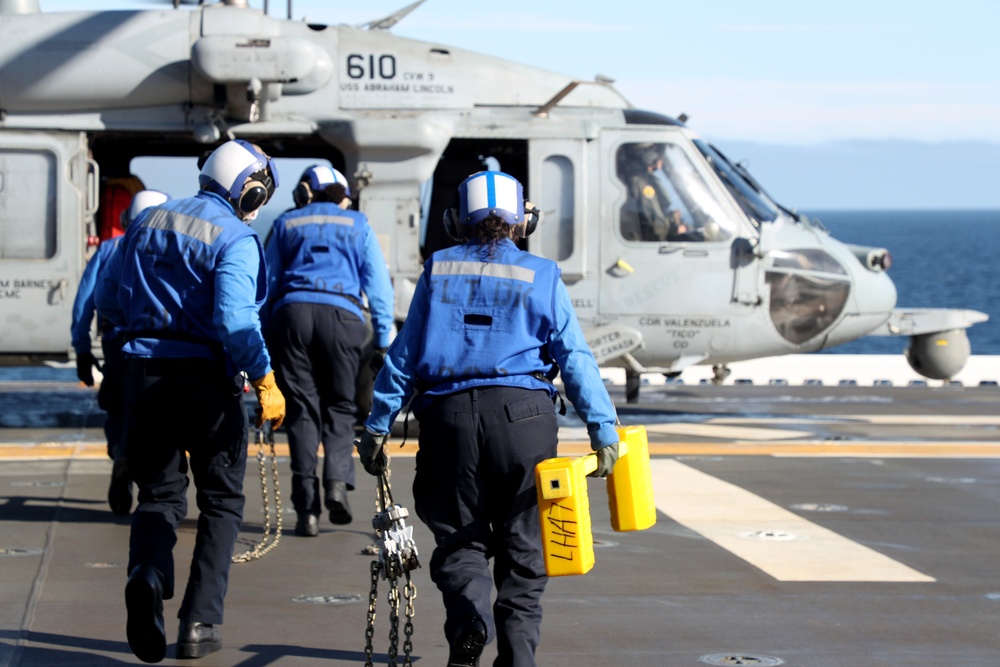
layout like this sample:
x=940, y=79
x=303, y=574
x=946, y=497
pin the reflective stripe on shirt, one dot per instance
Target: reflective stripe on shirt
x=484, y=269
x=181, y=223
x=319, y=220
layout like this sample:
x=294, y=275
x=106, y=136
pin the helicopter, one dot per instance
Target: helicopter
x=673, y=254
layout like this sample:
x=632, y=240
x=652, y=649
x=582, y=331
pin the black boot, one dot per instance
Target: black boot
x=144, y=602
x=196, y=640
x=468, y=643
x=307, y=525
x=120, y=489
x=336, y=502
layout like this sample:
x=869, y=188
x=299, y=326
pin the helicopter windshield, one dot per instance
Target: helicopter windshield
x=754, y=202
x=668, y=200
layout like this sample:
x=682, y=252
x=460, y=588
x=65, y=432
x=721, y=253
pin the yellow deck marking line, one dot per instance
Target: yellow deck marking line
x=758, y=531
x=863, y=449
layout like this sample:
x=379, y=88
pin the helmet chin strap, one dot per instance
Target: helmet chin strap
x=247, y=218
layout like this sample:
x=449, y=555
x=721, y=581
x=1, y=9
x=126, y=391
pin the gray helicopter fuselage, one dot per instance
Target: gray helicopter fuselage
x=665, y=264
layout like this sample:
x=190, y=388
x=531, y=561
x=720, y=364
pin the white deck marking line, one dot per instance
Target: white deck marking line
x=731, y=517
x=904, y=420
x=727, y=432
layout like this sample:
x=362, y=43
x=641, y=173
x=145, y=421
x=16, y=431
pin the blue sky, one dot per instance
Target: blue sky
x=772, y=71
x=918, y=80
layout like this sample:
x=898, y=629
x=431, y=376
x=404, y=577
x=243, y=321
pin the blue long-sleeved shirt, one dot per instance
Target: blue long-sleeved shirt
x=352, y=261
x=581, y=378
x=235, y=315
x=83, y=304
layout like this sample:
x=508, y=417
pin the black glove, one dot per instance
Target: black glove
x=85, y=364
x=370, y=449
x=378, y=360
x=606, y=457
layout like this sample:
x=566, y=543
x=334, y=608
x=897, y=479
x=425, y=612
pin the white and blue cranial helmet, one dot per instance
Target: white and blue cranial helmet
x=490, y=193
x=228, y=168
x=316, y=179
x=140, y=202
x=319, y=176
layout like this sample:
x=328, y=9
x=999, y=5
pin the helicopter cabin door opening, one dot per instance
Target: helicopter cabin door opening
x=48, y=196
x=461, y=159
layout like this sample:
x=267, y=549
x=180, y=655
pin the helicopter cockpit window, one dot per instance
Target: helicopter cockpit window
x=668, y=200
x=745, y=191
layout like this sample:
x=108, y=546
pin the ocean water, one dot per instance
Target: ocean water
x=941, y=259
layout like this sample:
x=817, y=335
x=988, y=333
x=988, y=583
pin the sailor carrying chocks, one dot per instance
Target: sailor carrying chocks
x=488, y=328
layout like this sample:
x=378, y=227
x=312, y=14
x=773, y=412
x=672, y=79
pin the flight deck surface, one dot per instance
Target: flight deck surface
x=812, y=526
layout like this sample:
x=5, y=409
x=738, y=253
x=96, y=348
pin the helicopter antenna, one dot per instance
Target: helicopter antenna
x=391, y=19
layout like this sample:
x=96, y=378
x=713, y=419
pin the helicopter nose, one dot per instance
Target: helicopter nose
x=870, y=305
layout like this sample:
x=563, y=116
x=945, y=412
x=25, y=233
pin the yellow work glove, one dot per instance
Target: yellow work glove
x=272, y=403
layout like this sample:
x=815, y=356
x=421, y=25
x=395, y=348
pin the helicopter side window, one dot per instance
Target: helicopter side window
x=557, y=203
x=28, y=211
x=668, y=200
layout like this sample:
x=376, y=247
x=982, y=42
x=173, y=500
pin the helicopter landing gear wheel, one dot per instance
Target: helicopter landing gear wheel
x=720, y=373
x=632, y=383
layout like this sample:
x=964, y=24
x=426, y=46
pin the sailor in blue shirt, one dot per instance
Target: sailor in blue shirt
x=322, y=259
x=186, y=284
x=489, y=327
x=110, y=396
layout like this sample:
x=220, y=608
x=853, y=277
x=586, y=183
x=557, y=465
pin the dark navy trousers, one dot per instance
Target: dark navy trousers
x=173, y=406
x=316, y=350
x=111, y=396
x=475, y=490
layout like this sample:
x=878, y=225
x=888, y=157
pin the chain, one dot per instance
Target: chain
x=393, y=597
x=372, y=598
x=265, y=544
x=383, y=498
x=397, y=556
x=410, y=593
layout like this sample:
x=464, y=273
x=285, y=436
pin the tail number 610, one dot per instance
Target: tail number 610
x=371, y=66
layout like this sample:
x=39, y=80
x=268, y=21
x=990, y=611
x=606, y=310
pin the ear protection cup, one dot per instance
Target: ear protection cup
x=532, y=216
x=237, y=168
x=451, y=224
x=254, y=196
x=302, y=195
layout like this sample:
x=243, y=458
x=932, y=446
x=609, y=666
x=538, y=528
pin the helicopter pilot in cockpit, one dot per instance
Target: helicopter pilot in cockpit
x=647, y=214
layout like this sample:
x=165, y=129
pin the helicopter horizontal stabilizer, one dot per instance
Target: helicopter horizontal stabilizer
x=917, y=321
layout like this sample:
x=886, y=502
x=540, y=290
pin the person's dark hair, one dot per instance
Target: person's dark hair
x=335, y=192
x=491, y=232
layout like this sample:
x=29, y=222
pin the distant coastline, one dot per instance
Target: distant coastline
x=866, y=175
